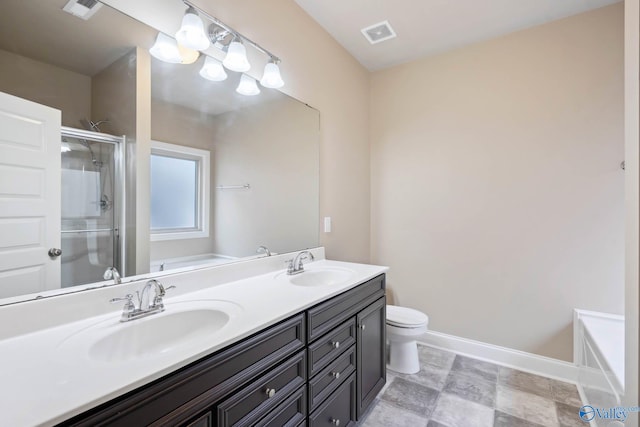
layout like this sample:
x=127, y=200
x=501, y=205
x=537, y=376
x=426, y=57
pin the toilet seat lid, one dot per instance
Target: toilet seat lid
x=403, y=316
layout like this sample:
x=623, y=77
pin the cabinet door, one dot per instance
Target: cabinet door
x=371, y=354
x=337, y=410
x=204, y=421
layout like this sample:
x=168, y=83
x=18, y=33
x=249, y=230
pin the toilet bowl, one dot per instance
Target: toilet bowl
x=404, y=325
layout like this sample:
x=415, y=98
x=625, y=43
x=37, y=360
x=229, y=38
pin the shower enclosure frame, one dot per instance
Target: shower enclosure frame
x=119, y=199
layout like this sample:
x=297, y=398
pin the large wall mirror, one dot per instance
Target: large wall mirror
x=160, y=167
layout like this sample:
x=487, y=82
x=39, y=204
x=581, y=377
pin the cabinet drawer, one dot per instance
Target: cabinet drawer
x=252, y=402
x=291, y=412
x=327, y=380
x=328, y=347
x=339, y=409
x=329, y=314
x=174, y=399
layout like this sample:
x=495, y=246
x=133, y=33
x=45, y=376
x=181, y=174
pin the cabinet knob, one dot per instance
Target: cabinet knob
x=335, y=375
x=362, y=327
x=270, y=392
x=335, y=422
x=336, y=344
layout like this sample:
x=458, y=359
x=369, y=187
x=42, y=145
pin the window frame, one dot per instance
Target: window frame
x=203, y=161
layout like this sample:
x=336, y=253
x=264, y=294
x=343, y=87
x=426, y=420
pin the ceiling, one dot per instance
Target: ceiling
x=427, y=27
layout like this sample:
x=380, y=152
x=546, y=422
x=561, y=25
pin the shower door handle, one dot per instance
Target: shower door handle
x=54, y=253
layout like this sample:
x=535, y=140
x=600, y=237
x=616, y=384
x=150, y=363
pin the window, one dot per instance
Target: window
x=179, y=192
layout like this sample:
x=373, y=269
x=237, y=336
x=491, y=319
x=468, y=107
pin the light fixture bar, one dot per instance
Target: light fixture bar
x=232, y=31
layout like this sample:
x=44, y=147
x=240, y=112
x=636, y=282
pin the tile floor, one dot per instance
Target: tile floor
x=457, y=391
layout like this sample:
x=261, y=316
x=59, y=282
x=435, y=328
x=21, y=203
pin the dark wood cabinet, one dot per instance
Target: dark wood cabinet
x=205, y=420
x=371, y=353
x=326, y=363
x=249, y=404
x=339, y=409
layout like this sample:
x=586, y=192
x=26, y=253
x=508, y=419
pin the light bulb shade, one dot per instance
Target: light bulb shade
x=271, y=77
x=191, y=34
x=236, y=59
x=188, y=56
x=166, y=49
x=248, y=86
x=213, y=70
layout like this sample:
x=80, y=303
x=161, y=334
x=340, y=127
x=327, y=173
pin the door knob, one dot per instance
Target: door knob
x=270, y=392
x=55, y=252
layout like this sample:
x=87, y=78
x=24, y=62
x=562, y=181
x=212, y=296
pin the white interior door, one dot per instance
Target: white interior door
x=29, y=196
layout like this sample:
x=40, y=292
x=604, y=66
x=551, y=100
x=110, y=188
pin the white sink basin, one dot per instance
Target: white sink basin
x=321, y=277
x=181, y=325
x=153, y=335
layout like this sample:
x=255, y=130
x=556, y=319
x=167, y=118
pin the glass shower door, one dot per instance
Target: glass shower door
x=90, y=194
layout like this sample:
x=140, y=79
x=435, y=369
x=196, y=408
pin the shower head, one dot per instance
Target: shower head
x=91, y=125
x=85, y=124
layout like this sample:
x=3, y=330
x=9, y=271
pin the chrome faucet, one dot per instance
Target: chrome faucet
x=145, y=306
x=112, y=273
x=263, y=250
x=295, y=265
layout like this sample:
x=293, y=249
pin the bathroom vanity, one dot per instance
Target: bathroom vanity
x=323, y=366
x=296, y=352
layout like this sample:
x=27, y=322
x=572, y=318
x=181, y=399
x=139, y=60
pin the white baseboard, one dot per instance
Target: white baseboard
x=529, y=362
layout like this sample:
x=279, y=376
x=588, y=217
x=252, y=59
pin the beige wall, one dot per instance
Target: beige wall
x=181, y=126
x=497, y=196
x=274, y=148
x=47, y=84
x=122, y=94
x=321, y=73
x=632, y=193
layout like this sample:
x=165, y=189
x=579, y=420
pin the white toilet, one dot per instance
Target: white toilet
x=403, y=326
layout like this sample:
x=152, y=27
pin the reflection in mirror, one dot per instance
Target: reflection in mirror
x=262, y=183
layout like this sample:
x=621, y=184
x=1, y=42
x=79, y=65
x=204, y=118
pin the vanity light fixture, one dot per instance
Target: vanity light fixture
x=226, y=38
x=248, y=86
x=271, y=77
x=191, y=34
x=213, y=70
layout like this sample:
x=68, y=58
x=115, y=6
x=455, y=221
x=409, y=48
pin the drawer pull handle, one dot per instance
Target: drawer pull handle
x=362, y=327
x=335, y=422
x=336, y=344
x=336, y=375
x=270, y=392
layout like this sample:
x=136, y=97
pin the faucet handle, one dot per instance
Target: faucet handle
x=290, y=266
x=162, y=291
x=129, y=309
x=129, y=305
x=128, y=298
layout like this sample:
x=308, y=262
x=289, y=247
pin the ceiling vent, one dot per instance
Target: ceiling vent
x=84, y=9
x=379, y=32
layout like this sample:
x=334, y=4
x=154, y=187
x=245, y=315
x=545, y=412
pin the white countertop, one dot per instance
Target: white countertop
x=47, y=376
